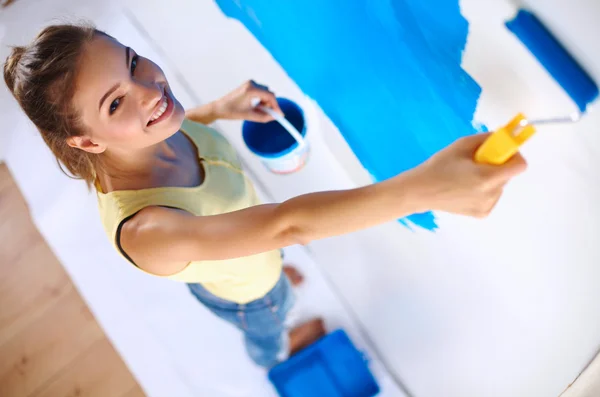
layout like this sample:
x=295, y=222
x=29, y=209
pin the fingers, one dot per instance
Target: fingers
x=259, y=116
x=497, y=177
x=259, y=86
x=267, y=98
x=470, y=144
x=513, y=167
x=499, y=173
x=485, y=207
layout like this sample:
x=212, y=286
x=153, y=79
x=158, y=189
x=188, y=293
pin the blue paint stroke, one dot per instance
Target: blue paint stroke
x=387, y=72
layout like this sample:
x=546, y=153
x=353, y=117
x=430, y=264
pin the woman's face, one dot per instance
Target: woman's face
x=124, y=100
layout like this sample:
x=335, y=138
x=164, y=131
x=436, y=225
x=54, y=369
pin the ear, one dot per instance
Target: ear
x=86, y=144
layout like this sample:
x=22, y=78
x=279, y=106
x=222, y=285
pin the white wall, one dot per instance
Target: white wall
x=502, y=307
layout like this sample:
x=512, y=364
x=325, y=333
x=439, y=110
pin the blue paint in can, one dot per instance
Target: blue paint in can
x=273, y=144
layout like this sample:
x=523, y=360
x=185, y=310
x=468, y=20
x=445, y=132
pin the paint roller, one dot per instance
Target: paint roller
x=504, y=143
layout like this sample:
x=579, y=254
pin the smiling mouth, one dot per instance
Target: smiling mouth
x=163, y=111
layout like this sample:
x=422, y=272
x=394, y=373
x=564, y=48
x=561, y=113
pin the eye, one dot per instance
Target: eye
x=114, y=105
x=134, y=62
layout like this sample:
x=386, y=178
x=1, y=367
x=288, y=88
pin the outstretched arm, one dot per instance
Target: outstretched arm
x=163, y=241
x=237, y=105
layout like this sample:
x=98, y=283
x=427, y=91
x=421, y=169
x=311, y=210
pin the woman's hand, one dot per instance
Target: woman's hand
x=451, y=181
x=237, y=105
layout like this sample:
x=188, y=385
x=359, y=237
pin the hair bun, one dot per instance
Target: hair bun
x=11, y=66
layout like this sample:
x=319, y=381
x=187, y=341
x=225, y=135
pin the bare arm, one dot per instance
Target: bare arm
x=237, y=105
x=205, y=114
x=162, y=240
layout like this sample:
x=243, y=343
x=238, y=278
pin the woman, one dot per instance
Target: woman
x=173, y=197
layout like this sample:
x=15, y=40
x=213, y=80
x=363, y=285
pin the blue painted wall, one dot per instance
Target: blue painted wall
x=387, y=72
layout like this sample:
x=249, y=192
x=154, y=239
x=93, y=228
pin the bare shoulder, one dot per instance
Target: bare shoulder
x=150, y=221
x=150, y=239
x=163, y=240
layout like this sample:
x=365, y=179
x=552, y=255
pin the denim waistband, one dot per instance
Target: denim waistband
x=277, y=293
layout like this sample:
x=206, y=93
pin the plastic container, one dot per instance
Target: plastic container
x=331, y=367
x=274, y=145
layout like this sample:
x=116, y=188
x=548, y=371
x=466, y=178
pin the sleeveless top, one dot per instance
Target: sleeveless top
x=225, y=188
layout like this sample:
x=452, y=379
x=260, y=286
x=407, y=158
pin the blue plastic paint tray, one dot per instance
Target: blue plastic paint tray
x=331, y=367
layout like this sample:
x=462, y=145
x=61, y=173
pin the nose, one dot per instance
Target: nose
x=150, y=93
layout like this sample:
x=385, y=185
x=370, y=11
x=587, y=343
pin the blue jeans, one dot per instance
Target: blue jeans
x=261, y=321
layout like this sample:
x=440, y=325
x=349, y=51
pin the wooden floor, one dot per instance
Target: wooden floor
x=50, y=343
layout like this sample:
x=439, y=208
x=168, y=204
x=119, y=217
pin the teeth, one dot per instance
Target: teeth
x=159, y=112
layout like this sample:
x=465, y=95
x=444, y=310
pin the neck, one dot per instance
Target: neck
x=135, y=168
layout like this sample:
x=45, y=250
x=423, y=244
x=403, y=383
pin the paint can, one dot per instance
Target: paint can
x=278, y=150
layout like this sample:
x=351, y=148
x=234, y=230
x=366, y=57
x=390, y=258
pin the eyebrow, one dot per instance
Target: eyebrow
x=127, y=56
x=114, y=87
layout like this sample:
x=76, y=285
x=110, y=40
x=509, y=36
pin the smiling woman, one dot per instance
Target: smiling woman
x=174, y=199
x=135, y=109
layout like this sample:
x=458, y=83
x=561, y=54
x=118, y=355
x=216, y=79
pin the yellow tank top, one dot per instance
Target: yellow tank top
x=225, y=188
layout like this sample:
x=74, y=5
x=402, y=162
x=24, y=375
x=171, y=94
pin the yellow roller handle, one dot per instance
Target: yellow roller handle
x=504, y=143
